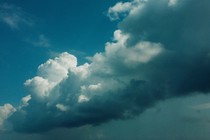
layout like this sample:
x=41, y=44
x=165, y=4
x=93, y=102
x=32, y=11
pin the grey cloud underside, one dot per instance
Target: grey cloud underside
x=184, y=31
x=128, y=87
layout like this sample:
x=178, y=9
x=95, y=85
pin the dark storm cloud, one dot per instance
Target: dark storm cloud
x=161, y=51
x=184, y=31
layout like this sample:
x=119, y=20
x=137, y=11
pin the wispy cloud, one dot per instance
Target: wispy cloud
x=40, y=41
x=202, y=106
x=14, y=16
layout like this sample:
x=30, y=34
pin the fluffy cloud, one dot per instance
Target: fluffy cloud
x=122, y=9
x=113, y=12
x=159, y=52
x=50, y=74
x=5, y=112
x=78, y=95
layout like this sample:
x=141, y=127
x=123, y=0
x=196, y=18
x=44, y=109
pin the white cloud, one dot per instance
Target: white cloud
x=82, y=98
x=25, y=100
x=143, y=52
x=55, y=70
x=134, y=7
x=147, y=61
x=124, y=8
x=62, y=84
x=119, y=8
x=62, y=107
x=50, y=74
x=5, y=112
x=42, y=41
x=91, y=88
x=119, y=50
x=95, y=87
x=14, y=16
x=39, y=87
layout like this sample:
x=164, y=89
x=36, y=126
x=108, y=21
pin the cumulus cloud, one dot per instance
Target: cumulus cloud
x=158, y=52
x=5, y=112
x=113, y=12
x=78, y=95
x=50, y=74
x=14, y=16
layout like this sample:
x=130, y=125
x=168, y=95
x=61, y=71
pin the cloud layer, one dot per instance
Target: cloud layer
x=161, y=50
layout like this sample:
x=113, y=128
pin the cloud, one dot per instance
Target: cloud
x=122, y=9
x=174, y=116
x=49, y=75
x=14, y=16
x=79, y=95
x=172, y=2
x=113, y=12
x=5, y=112
x=202, y=106
x=24, y=101
x=41, y=41
x=62, y=107
x=179, y=29
x=158, y=52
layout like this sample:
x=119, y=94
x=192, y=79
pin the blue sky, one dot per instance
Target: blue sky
x=104, y=70
x=78, y=27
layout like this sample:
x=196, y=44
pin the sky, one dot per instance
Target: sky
x=105, y=70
